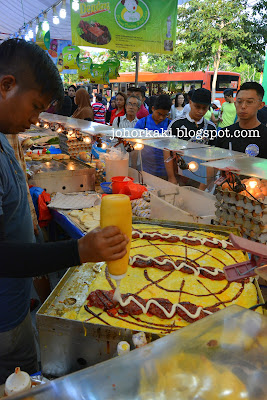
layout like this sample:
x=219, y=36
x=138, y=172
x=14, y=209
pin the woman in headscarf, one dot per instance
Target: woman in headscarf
x=72, y=93
x=84, y=110
x=112, y=106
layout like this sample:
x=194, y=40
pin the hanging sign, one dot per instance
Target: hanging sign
x=70, y=57
x=43, y=37
x=130, y=25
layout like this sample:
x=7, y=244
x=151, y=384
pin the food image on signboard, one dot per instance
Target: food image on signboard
x=94, y=32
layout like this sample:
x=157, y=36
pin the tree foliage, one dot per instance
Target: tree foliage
x=209, y=29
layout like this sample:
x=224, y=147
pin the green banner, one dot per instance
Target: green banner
x=132, y=25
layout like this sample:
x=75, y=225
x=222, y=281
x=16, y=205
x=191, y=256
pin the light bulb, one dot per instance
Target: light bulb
x=55, y=16
x=59, y=130
x=88, y=140
x=62, y=11
x=37, y=124
x=138, y=146
x=46, y=126
x=75, y=5
x=252, y=184
x=45, y=24
x=104, y=146
x=193, y=166
x=55, y=20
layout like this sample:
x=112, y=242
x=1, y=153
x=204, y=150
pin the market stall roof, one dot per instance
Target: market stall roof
x=14, y=14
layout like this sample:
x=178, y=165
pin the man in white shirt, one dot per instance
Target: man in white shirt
x=128, y=120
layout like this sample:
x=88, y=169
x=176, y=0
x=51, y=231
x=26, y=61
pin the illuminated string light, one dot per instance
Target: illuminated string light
x=138, y=146
x=45, y=23
x=252, y=184
x=75, y=5
x=193, y=166
x=88, y=140
x=30, y=33
x=55, y=16
x=63, y=11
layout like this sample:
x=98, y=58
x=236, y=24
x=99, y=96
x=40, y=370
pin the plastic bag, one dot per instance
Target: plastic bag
x=40, y=200
x=133, y=190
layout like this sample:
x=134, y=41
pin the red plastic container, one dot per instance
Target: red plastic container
x=118, y=183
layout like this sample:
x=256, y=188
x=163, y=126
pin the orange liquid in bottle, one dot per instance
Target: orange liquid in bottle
x=116, y=210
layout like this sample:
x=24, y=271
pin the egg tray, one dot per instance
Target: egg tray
x=242, y=201
x=248, y=215
x=72, y=146
x=243, y=214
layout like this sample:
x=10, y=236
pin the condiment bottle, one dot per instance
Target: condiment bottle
x=123, y=348
x=116, y=210
x=17, y=382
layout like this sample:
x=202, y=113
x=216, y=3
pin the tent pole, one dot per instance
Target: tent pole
x=137, y=68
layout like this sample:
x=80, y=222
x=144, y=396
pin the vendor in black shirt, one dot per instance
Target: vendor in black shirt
x=193, y=125
x=249, y=130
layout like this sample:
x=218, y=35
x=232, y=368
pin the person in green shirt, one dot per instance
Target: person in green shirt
x=228, y=110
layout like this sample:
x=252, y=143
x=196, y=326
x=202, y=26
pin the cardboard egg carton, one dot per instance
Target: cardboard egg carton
x=71, y=145
x=236, y=210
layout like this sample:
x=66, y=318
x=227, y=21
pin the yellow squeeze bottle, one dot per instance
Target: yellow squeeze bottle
x=116, y=210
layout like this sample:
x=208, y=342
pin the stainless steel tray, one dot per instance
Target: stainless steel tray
x=68, y=345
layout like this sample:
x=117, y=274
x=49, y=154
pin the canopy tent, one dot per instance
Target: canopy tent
x=15, y=14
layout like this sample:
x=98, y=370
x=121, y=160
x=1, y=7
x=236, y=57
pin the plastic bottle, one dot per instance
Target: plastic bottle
x=123, y=348
x=17, y=382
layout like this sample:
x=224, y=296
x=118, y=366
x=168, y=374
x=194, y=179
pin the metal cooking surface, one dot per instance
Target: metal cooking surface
x=56, y=165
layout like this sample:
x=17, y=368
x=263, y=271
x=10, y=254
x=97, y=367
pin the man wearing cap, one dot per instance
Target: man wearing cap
x=193, y=125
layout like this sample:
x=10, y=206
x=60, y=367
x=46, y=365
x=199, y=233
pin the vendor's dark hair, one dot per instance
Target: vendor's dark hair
x=176, y=99
x=253, y=86
x=31, y=66
x=73, y=87
x=163, y=102
x=228, y=92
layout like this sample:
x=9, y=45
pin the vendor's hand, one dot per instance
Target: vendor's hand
x=106, y=244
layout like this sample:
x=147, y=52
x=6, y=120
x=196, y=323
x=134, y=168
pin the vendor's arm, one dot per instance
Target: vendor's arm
x=20, y=260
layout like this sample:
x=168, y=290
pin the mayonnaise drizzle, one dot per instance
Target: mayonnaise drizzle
x=196, y=270
x=151, y=301
x=224, y=243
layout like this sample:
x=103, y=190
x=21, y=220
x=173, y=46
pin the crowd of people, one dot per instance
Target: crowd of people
x=179, y=114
